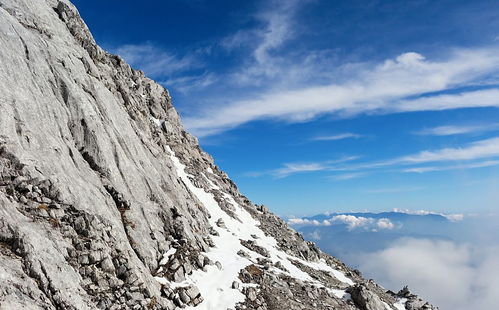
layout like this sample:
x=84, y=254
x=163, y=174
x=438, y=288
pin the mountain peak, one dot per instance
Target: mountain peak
x=106, y=202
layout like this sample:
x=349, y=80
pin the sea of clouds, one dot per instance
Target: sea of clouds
x=453, y=264
x=453, y=276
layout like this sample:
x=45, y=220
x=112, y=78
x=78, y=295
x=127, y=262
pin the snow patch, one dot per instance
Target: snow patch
x=387, y=307
x=400, y=304
x=215, y=284
x=156, y=121
x=167, y=255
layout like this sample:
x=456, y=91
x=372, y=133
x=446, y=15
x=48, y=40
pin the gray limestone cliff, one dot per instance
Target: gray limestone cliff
x=106, y=202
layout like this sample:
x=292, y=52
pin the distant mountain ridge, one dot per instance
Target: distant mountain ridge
x=393, y=215
x=347, y=234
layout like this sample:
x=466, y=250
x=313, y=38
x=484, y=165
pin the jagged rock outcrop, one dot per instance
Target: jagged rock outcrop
x=106, y=202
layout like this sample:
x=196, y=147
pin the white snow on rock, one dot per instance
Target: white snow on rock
x=340, y=293
x=157, y=121
x=387, y=307
x=215, y=284
x=400, y=304
x=167, y=255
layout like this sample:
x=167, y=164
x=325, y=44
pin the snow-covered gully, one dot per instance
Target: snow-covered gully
x=215, y=283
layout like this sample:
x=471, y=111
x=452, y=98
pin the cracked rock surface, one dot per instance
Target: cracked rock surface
x=94, y=211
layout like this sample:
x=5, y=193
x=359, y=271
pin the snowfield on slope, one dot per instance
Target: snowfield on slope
x=400, y=304
x=215, y=285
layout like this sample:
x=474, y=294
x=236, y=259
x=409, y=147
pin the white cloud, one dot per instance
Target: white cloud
x=471, y=99
x=455, y=217
x=451, y=276
x=301, y=221
x=487, y=163
x=277, y=29
x=488, y=148
x=293, y=168
x=382, y=88
x=155, y=61
x=475, y=150
x=171, y=70
x=348, y=176
x=351, y=221
x=457, y=130
x=276, y=21
x=185, y=84
x=341, y=136
x=385, y=223
x=264, y=43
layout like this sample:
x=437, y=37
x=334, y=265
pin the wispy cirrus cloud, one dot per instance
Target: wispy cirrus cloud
x=185, y=84
x=450, y=130
x=181, y=72
x=477, y=150
x=470, y=153
x=482, y=164
x=347, y=176
x=481, y=149
x=288, y=169
x=155, y=61
x=293, y=168
x=395, y=85
x=300, y=85
x=275, y=22
x=340, y=136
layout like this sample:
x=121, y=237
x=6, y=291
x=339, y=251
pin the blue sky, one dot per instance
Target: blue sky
x=315, y=106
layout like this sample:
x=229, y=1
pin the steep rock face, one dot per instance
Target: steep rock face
x=106, y=202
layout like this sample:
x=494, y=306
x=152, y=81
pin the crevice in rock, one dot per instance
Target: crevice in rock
x=90, y=93
x=37, y=278
x=71, y=154
x=63, y=89
x=118, y=165
x=9, y=245
x=26, y=50
x=90, y=160
x=81, y=137
x=123, y=205
x=15, y=245
x=17, y=118
x=50, y=289
x=35, y=27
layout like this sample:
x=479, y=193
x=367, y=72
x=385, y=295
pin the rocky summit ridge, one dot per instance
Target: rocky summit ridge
x=106, y=202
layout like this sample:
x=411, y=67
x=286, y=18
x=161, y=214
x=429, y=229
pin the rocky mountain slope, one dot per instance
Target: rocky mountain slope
x=106, y=202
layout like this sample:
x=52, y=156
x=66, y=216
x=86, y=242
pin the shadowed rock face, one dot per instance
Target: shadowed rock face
x=107, y=202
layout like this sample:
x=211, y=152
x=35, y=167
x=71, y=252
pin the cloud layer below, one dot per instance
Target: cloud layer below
x=351, y=221
x=452, y=276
